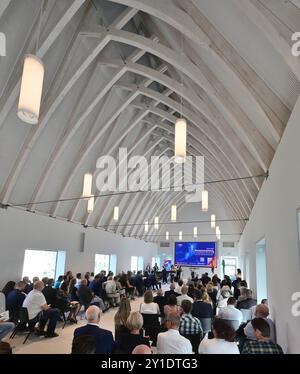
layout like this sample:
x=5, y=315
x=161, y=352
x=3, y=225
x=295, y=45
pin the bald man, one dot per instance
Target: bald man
x=142, y=349
x=104, y=339
x=262, y=311
x=39, y=310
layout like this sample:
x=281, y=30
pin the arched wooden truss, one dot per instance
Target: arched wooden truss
x=116, y=73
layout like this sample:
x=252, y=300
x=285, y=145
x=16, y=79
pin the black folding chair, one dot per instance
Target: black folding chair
x=152, y=326
x=23, y=321
x=195, y=340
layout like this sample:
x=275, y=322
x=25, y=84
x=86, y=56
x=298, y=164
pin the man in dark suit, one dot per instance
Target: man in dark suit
x=104, y=339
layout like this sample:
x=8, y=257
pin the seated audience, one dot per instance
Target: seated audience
x=200, y=308
x=223, y=341
x=121, y=317
x=129, y=341
x=189, y=325
x=111, y=291
x=50, y=293
x=160, y=300
x=171, y=292
x=78, y=281
x=83, y=344
x=29, y=285
x=5, y=348
x=58, y=282
x=39, y=310
x=148, y=306
x=5, y=328
x=184, y=296
x=15, y=300
x=10, y=285
x=263, y=343
x=248, y=302
x=172, y=307
x=224, y=295
x=104, y=339
x=262, y=311
x=142, y=349
x=178, y=288
x=171, y=342
x=84, y=294
x=253, y=308
x=230, y=312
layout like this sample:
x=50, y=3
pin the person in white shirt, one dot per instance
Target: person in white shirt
x=38, y=309
x=111, y=291
x=184, y=296
x=253, y=308
x=223, y=296
x=171, y=342
x=230, y=312
x=178, y=288
x=223, y=341
x=261, y=311
x=148, y=306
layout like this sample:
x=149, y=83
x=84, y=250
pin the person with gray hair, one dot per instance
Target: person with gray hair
x=104, y=339
x=142, y=349
x=262, y=311
x=39, y=310
x=184, y=296
x=247, y=303
x=171, y=342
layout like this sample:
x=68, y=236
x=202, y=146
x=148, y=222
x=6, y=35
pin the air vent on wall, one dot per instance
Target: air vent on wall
x=164, y=244
x=228, y=244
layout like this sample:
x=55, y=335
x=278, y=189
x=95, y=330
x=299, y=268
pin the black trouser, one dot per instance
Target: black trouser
x=49, y=314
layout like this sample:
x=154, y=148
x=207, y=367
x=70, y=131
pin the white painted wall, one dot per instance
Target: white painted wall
x=21, y=230
x=274, y=217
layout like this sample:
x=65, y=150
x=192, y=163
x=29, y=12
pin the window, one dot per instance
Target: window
x=105, y=262
x=229, y=265
x=41, y=263
x=136, y=263
x=155, y=260
x=261, y=270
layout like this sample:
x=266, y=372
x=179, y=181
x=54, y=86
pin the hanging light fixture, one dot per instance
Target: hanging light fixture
x=213, y=221
x=167, y=235
x=204, y=201
x=91, y=201
x=146, y=226
x=180, y=235
x=116, y=213
x=173, y=213
x=218, y=233
x=156, y=223
x=31, y=89
x=180, y=140
x=87, y=185
x=195, y=232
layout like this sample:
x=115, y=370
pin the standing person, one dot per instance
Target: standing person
x=121, y=316
x=164, y=275
x=179, y=272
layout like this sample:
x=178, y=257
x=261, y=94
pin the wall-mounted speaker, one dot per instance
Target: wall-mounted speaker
x=82, y=240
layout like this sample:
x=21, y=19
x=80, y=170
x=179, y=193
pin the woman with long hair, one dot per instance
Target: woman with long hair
x=121, y=317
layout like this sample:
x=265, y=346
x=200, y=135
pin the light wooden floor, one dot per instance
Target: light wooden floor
x=62, y=343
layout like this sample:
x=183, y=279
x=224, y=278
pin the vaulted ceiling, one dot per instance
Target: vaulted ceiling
x=116, y=72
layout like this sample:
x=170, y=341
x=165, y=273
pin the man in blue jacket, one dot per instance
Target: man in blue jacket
x=104, y=339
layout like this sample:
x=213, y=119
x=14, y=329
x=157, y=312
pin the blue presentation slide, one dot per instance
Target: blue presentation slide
x=195, y=254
